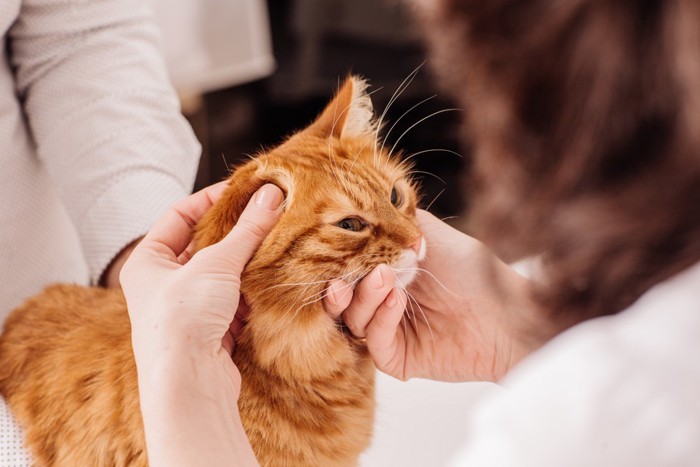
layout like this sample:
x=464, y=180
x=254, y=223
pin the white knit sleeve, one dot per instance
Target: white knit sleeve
x=13, y=453
x=104, y=118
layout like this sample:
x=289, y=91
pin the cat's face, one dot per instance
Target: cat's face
x=349, y=207
x=347, y=211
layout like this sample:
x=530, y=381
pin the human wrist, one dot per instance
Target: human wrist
x=530, y=325
x=189, y=404
x=110, y=276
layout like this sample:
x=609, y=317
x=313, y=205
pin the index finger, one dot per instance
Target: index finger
x=175, y=228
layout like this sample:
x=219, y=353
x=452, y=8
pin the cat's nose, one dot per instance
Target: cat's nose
x=417, y=244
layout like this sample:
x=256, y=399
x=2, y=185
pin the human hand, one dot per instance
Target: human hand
x=467, y=315
x=174, y=299
x=182, y=311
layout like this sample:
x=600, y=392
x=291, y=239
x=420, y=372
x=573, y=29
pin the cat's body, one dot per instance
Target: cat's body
x=68, y=373
x=66, y=364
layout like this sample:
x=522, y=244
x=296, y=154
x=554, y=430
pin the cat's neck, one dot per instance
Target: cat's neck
x=298, y=342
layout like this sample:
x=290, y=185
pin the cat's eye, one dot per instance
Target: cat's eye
x=396, y=198
x=353, y=224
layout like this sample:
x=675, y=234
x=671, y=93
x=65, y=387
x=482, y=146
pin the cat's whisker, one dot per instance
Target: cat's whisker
x=401, y=88
x=386, y=136
x=251, y=157
x=350, y=286
x=422, y=172
x=411, y=300
x=296, y=284
x=449, y=218
x=418, y=123
x=342, y=277
x=294, y=303
x=413, y=310
x=324, y=293
x=226, y=164
x=427, y=208
x=430, y=274
x=402, y=286
x=314, y=297
x=425, y=317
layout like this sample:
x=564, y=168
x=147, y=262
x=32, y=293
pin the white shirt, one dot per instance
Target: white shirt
x=622, y=390
x=93, y=147
x=616, y=391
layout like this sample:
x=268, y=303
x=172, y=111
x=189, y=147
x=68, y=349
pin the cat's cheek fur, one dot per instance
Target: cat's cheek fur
x=301, y=347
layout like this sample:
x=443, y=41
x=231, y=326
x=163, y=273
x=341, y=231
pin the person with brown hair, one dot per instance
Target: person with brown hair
x=583, y=117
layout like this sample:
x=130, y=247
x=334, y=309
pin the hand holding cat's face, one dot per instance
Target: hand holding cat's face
x=175, y=302
x=350, y=206
x=472, y=317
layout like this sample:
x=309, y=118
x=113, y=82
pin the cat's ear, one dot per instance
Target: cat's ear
x=349, y=114
x=245, y=181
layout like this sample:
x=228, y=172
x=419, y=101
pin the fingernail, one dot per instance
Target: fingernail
x=269, y=197
x=391, y=299
x=376, y=280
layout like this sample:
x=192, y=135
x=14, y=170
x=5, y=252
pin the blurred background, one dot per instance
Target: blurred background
x=251, y=72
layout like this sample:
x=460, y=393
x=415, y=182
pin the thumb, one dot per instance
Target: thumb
x=256, y=221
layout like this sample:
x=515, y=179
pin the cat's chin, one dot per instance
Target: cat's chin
x=406, y=266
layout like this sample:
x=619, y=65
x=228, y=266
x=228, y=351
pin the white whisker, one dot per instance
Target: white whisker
x=411, y=301
x=386, y=136
x=419, y=122
x=402, y=87
x=443, y=286
x=434, y=199
x=421, y=172
x=425, y=317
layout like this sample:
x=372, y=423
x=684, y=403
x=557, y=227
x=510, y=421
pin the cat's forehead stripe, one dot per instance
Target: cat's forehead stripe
x=295, y=243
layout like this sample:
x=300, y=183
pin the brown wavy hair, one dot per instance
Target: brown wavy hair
x=584, y=117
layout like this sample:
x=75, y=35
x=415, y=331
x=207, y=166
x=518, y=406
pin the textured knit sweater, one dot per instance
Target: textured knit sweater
x=93, y=147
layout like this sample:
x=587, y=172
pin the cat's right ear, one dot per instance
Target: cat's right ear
x=349, y=114
x=221, y=218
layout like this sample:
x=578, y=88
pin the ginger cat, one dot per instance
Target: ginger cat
x=66, y=364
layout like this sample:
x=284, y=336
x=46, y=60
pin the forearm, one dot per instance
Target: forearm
x=104, y=117
x=190, y=412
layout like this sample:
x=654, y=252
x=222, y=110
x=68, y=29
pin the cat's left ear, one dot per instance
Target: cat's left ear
x=349, y=114
x=243, y=183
